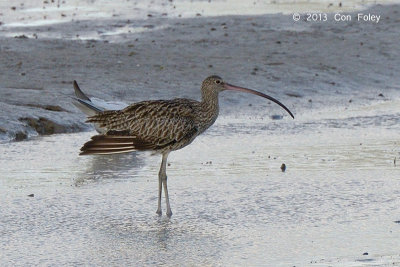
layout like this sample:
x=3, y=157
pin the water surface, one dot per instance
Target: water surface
x=232, y=204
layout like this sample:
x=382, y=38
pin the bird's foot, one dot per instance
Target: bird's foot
x=159, y=212
x=169, y=213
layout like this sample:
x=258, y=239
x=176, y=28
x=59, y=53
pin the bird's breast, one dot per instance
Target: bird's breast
x=206, y=118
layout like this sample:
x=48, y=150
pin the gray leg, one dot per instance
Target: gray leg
x=159, y=191
x=162, y=181
x=169, y=212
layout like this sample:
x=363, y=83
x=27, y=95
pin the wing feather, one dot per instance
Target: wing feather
x=147, y=125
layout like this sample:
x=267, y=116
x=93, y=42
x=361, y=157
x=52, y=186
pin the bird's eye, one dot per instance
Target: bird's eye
x=217, y=81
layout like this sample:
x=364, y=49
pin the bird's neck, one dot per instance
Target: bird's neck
x=209, y=108
x=209, y=101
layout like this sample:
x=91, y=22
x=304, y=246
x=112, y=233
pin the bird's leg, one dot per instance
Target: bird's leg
x=159, y=189
x=162, y=180
x=163, y=175
x=169, y=212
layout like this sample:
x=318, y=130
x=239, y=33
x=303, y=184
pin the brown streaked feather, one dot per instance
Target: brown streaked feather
x=153, y=125
x=105, y=152
x=111, y=144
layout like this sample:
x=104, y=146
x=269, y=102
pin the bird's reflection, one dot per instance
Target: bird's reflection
x=112, y=166
x=163, y=233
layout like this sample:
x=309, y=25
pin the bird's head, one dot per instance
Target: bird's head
x=214, y=84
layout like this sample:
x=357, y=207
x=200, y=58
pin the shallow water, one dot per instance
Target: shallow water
x=232, y=203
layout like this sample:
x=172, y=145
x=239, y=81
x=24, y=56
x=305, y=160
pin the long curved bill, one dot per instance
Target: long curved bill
x=254, y=92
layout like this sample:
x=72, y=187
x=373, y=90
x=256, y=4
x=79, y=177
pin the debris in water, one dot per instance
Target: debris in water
x=23, y=36
x=293, y=94
x=283, y=167
x=276, y=117
x=365, y=253
x=31, y=195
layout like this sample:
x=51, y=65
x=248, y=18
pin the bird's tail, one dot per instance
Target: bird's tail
x=84, y=103
x=113, y=144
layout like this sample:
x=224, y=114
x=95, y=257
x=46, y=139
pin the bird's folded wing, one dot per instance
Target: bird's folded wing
x=113, y=144
x=147, y=125
x=155, y=135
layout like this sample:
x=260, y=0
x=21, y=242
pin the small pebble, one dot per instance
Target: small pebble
x=365, y=253
x=276, y=117
x=31, y=195
x=283, y=167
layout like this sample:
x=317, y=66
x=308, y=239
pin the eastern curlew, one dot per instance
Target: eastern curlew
x=160, y=126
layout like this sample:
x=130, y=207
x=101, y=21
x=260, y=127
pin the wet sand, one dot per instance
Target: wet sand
x=336, y=204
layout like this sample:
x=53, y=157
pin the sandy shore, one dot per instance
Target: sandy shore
x=307, y=65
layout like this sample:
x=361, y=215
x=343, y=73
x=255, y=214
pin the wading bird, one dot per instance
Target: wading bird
x=160, y=126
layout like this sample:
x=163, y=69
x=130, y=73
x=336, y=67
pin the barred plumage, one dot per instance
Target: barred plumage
x=160, y=125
